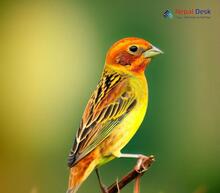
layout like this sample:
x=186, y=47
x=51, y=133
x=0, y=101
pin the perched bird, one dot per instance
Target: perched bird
x=115, y=110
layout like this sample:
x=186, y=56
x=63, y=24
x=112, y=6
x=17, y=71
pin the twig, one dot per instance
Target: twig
x=137, y=172
x=137, y=184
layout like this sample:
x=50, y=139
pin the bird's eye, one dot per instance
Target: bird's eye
x=133, y=48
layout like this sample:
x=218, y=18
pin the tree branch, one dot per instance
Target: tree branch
x=141, y=167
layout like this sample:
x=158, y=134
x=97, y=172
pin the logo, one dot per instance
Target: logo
x=187, y=13
x=168, y=14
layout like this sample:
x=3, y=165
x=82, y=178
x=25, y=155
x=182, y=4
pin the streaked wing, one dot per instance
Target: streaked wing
x=110, y=102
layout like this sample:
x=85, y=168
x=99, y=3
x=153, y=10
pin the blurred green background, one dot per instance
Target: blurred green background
x=52, y=55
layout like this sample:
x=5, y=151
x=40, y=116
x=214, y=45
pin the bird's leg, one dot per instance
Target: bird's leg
x=104, y=189
x=143, y=161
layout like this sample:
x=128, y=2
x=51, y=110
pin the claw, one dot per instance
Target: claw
x=103, y=188
x=144, y=163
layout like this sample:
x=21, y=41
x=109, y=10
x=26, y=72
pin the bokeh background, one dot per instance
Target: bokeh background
x=52, y=55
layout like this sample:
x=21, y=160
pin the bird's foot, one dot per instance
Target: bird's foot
x=104, y=188
x=144, y=163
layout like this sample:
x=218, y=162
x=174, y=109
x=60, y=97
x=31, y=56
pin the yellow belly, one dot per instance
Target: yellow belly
x=124, y=131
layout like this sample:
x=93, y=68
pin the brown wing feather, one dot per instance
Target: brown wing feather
x=111, y=100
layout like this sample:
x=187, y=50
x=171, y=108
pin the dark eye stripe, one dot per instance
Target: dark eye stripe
x=133, y=48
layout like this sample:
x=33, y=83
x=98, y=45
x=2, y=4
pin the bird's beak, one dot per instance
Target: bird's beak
x=152, y=52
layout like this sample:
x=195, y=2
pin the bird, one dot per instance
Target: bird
x=114, y=111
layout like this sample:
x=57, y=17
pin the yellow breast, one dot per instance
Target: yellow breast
x=131, y=123
x=124, y=131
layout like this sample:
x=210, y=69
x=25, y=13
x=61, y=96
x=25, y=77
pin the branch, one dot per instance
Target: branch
x=141, y=167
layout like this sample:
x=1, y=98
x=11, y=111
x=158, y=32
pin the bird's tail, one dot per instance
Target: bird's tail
x=79, y=172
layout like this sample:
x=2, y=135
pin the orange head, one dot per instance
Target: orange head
x=131, y=54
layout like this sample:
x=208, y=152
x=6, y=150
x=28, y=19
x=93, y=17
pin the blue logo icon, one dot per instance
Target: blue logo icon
x=168, y=14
